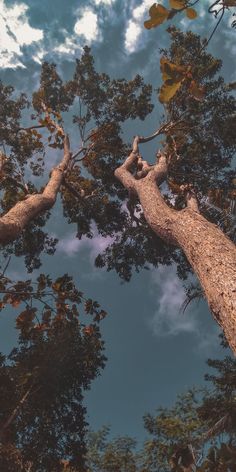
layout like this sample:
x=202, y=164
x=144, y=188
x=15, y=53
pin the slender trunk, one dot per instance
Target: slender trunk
x=15, y=220
x=209, y=251
x=11, y=418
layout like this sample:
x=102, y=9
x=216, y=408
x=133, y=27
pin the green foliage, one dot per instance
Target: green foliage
x=104, y=455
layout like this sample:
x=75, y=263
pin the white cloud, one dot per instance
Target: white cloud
x=104, y=2
x=168, y=319
x=70, y=245
x=134, y=29
x=15, y=32
x=70, y=46
x=132, y=36
x=87, y=26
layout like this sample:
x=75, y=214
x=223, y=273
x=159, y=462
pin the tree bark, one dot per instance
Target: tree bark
x=16, y=219
x=209, y=251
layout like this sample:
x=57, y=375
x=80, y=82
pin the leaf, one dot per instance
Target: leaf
x=158, y=15
x=231, y=86
x=229, y=3
x=171, y=71
x=177, y=4
x=191, y=13
x=25, y=318
x=197, y=91
x=88, y=306
x=168, y=90
x=15, y=303
x=88, y=330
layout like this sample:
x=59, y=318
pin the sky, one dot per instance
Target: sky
x=154, y=350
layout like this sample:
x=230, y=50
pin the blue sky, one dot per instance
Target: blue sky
x=154, y=351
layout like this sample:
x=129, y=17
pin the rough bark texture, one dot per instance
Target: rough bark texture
x=16, y=219
x=210, y=252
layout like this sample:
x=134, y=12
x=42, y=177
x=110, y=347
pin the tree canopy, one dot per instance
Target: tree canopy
x=178, y=209
x=196, y=434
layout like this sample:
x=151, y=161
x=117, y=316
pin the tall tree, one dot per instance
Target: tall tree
x=196, y=434
x=194, y=161
x=43, y=380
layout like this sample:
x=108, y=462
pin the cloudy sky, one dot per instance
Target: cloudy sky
x=154, y=351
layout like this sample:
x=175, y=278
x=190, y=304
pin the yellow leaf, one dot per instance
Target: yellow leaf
x=171, y=71
x=158, y=15
x=191, y=13
x=177, y=4
x=168, y=90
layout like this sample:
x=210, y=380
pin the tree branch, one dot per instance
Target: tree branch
x=166, y=127
x=15, y=220
x=191, y=201
x=123, y=173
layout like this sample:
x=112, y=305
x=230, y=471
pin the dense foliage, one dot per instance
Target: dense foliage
x=60, y=352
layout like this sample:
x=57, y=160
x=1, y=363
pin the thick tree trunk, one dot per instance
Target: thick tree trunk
x=16, y=219
x=210, y=252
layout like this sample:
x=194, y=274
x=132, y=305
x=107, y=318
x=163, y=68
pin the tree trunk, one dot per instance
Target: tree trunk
x=15, y=220
x=209, y=251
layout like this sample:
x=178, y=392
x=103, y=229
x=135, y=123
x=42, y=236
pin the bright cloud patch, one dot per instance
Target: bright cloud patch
x=87, y=26
x=168, y=320
x=135, y=26
x=132, y=35
x=70, y=46
x=104, y=2
x=70, y=245
x=15, y=32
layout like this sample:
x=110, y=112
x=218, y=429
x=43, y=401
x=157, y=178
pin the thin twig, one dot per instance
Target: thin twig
x=6, y=267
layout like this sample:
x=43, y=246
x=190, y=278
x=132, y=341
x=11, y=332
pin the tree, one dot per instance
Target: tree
x=159, y=13
x=194, y=160
x=104, y=455
x=60, y=352
x=160, y=230
x=196, y=434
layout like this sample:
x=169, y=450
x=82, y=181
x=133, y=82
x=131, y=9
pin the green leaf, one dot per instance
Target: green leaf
x=177, y=4
x=191, y=13
x=158, y=15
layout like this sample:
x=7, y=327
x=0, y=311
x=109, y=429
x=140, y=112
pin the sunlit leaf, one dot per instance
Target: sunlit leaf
x=191, y=13
x=171, y=71
x=158, y=14
x=168, y=90
x=177, y=4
